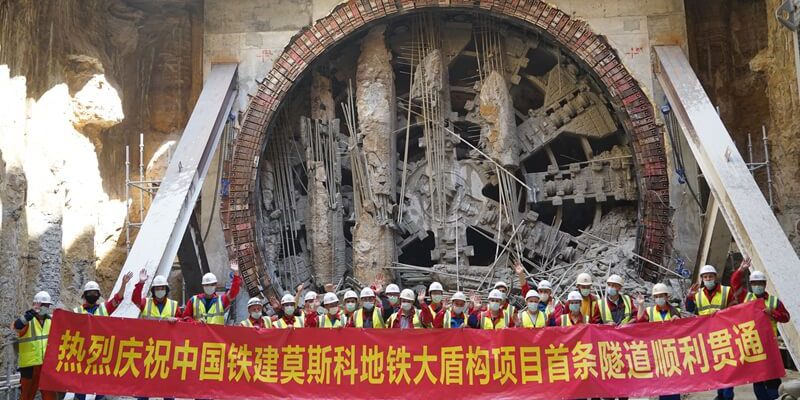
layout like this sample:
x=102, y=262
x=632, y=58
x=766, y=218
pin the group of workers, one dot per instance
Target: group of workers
x=376, y=307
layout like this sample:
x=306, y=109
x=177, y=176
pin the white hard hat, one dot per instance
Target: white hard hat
x=287, y=299
x=91, y=285
x=310, y=296
x=584, y=279
x=159, y=281
x=254, y=301
x=209, y=279
x=574, y=296
x=435, y=286
x=615, y=279
x=367, y=292
x=660, y=288
x=392, y=288
x=458, y=296
x=500, y=284
x=545, y=284
x=708, y=269
x=495, y=295
x=531, y=293
x=42, y=298
x=757, y=276
x=330, y=298
x=407, y=294
x=350, y=295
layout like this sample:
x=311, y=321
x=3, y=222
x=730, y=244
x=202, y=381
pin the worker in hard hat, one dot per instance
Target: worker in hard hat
x=616, y=308
x=454, y=316
x=91, y=298
x=436, y=292
x=33, y=329
x=255, y=315
x=158, y=306
x=574, y=314
x=547, y=302
x=332, y=317
x=494, y=317
x=368, y=315
x=288, y=318
x=590, y=304
x=774, y=308
x=709, y=299
x=660, y=312
x=532, y=316
x=407, y=317
x=390, y=300
x=208, y=307
x=350, y=306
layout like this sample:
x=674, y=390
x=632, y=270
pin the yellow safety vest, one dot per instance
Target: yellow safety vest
x=281, y=323
x=486, y=322
x=448, y=320
x=267, y=322
x=653, y=315
x=151, y=310
x=718, y=302
x=415, y=322
x=566, y=321
x=771, y=302
x=528, y=322
x=377, y=319
x=33, y=343
x=213, y=316
x=605, y=310
x=100, y=311
x=327, y=323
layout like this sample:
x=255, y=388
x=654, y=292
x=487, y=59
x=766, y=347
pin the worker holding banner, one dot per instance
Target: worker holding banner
x=207, y=307
x=350, y=306
x=91, y=296
x=33, y=329
x=455, y=316
x=287, y=318
x=660, y=312
x=532, y=316
x=616, y=308
x=436, y=292
x=367, y=316
x=575, y=315
x=494, y=317
x=547, y=302
x=706, y=301
x=774, y=308
x=255, y=317
x=158, y=306
x=407, y=317
x=332, y=317
x=390, y=300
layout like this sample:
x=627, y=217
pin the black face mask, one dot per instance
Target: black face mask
x=92, y=298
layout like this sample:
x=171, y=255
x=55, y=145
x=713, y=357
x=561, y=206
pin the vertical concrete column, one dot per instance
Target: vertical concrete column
x=499, y=134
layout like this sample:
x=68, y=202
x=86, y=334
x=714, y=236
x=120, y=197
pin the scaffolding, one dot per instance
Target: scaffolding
x=754, y=166
x=146, y=189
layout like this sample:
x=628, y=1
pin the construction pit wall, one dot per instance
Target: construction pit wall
x=254, y=34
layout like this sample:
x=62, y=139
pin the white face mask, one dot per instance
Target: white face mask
x=209, y=290
x=44, y=310
x=494, y=306
x=160, y=293
x=350, y=307
x=406, y=306
x=321, y=310
x=333, y=310
x=368, y=305
x=458, y=310
x=586, y=292
x=289, y=310
x=544, y=297
x=255, y=314
x=436, y=298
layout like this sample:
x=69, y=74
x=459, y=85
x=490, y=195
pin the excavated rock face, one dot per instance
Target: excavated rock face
x=499, y=134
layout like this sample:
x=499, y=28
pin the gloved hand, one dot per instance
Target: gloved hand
x=30, y=314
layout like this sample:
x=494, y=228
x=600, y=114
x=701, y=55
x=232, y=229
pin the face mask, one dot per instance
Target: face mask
x=574, y=307
x=255, y=315
x=406, y=306
x=611, y=291
x=368, y=305
x=458, y=310
x=393, y=300
x=533, y=306
x=321, y=311
x=503, y=295
x=350, y=307
x=436, y=298
x=333, y=310
x=44, y=310
x=160, y=293
x=289, y=310
x=544, y=297
x=209, y=290
x=586, y=292
x=494, y=306
x=661, y=301
x=92, y=298
x=710, y=285
x=759, y=290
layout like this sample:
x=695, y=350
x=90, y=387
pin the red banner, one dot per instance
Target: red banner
x=118, y=356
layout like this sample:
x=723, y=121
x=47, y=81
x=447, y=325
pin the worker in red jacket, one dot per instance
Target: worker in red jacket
x=208, y=307
x=91, y=297
x=590, y=304
x=159, y=306
x=455, y=316
x=774, y=308
x=255, y=316
x=407, y=316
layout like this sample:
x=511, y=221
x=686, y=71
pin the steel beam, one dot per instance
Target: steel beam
x=746, y=212
x=715, y=241
x=168, y=216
